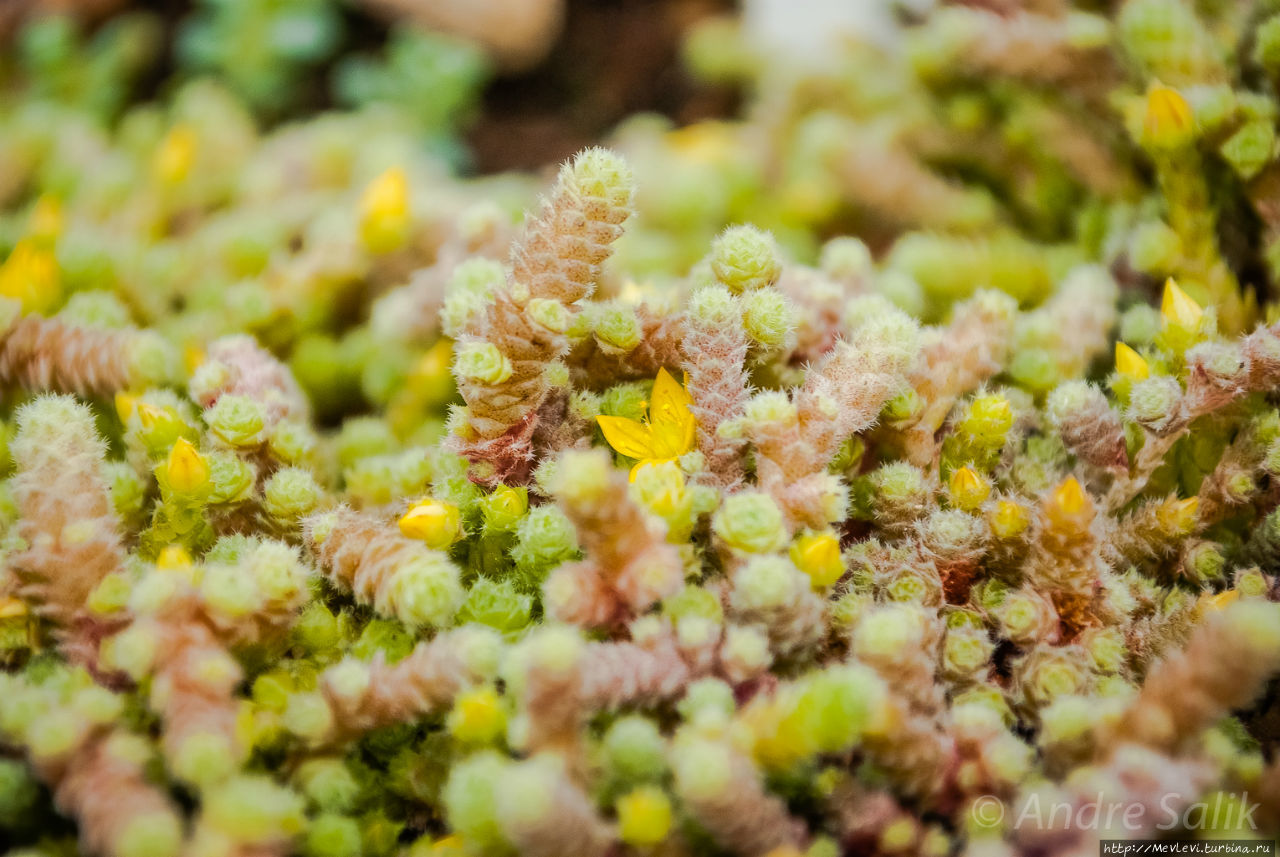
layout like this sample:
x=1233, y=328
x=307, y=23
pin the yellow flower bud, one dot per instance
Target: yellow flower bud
x=1178, y=517
x=436, y=361
x=708, y=142
x=149, y=415
x=30, y=275
x=899, y=836
x=477, y=716
x=1222, y=600
x=173, y=557
x=1178, y=308
x=187, y=470
x=968, y=488
x=452, y=845
x=644, y=816
x=660, y=486
x=1130, y=363
x=818, y=555
x=384, y=212
x=1007, y=520
x=12, y=608
x=46, y=220
x=175, y=155
x=431, y=521
x=1069, y=507
x=125, y=404
x=192, y=357
x=1169, y=122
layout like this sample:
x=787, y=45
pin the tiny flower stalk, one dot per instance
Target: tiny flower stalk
x=1169, y=136
x=187, y=485
x=1065, y=562
x=555, y=264
x=502, y=512
x=715, y=351
x=979, y=434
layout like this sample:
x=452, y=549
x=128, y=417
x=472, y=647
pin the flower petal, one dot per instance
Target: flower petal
x=627, y=436
x=670, y=415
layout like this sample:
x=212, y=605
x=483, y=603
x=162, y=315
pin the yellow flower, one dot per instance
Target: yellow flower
x=46, y=220
x=450, y=846
x=1069, y=507
x=1178, y=517
x=818, y=555
x=708, y=142
x=1169, y=121
x=175, y=156
x=30, y=275
x=667, y=434
x=1178, y=307
x=432, y=521
x=968, y=488
x=11, y=608
x=192, y=357
x=644, y=816
x=1007, y=520
x=173, y=557
x=187, y=470
x=125, y=405
x=1130, y=364
x=477, y=716
x=384, y=212
x=1222, y=600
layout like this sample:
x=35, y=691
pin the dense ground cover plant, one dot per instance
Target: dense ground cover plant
x=347, y=509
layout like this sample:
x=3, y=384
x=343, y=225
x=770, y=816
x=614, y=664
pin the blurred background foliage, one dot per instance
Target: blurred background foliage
x=527, y=82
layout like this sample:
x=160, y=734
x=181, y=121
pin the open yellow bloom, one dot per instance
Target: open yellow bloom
x=668, y=432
